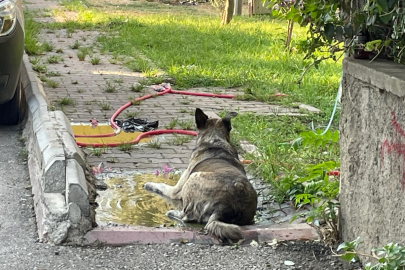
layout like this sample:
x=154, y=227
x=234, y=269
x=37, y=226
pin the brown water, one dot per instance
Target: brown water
x=126, y=202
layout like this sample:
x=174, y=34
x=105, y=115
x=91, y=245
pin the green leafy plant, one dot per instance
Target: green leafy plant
x=320, y=186
x=335, y=26
x=389, y=257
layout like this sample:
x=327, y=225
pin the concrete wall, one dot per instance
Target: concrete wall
x=372, y=141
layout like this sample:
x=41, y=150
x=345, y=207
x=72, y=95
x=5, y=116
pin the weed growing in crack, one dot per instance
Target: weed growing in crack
x=51, y=83
x=125, y=147
x=95, y=60
x=66, y=101
x=172, y=124
x=104, y=106
x=110, y=87
x=75, y=45
x=54, y=59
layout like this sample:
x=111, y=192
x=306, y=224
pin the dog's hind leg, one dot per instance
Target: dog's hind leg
x=159, y=188
x=172, y=192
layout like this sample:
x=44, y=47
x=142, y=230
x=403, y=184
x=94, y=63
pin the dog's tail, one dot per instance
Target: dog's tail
x=224, y=231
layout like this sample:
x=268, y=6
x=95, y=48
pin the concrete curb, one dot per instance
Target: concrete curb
x=119, y=236
x=56, y=167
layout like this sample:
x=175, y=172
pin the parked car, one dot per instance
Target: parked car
x=12, y=96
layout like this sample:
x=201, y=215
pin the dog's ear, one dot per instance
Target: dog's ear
x=200, y=118
x=227, y=120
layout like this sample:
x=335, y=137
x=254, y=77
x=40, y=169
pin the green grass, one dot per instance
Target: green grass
x=249, y=53
x=279, y=163
x=32, y=29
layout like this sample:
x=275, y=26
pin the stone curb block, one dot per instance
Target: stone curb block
x=120, y=236
x=56, y=167
x=64, y=130
x=76, y=187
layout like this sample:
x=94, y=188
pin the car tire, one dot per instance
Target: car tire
x=13, y=112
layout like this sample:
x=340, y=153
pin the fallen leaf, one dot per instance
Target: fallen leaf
x=289, y=263
x=273, y=242
x=254, y=243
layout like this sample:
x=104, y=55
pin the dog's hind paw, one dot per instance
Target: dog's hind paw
x=149, y=186
x=175, y=214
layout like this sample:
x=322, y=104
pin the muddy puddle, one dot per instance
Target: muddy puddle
x=126, y=202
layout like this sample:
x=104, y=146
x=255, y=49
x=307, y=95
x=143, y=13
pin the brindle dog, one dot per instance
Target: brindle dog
x=214, y=188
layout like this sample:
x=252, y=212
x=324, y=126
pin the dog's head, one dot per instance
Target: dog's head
x=220, y=127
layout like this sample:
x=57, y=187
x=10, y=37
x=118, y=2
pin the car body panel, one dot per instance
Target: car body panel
x=11, y=53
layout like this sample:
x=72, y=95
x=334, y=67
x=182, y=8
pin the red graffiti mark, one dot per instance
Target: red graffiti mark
x=395, y=147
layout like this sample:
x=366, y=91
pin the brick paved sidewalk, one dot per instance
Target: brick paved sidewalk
x=85, y=84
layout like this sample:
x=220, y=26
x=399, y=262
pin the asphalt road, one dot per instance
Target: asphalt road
x=20, y=249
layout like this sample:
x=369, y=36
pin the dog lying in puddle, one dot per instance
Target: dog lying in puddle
x=214, y=189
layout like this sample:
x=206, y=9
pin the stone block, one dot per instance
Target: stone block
x=75, y=214
x=61, y=122
x=309, y=108
x=54, y=175
x=47, y=135
x=55, y=218
x=76, y=186
x=72, y=151
x=372, y=139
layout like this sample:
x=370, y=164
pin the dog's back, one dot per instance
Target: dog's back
x=214, y=188
x=217, y=191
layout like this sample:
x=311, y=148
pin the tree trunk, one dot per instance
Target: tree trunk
x=228, y=12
